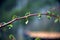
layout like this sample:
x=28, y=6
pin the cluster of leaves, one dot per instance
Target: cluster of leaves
x=49, y=15
x=27, y=17
x=57, y=18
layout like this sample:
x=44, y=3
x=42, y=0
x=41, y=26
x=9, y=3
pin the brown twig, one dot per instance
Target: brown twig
x=3, y=25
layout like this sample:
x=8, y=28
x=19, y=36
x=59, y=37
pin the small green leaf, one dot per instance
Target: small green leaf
x=14, y=16
x=27, y=13
x=37, y=39
x=26, y=22
x=11, y=37
x=56, y=20
x=48, y=12
x=39, y=16
x=48, y=16
x=10, y=26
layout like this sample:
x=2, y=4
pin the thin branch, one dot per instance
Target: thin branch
x=3, y=25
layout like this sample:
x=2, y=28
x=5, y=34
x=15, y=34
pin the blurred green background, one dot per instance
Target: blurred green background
x=10, y=8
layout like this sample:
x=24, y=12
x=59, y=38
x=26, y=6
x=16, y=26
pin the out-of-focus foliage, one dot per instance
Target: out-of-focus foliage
x=11, y=37
x=37, y=39
x=49, y=17
x=56, y=20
